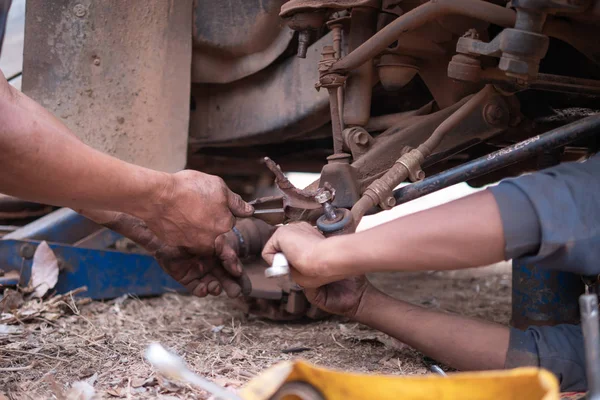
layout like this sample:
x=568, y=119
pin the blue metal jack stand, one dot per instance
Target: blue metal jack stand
x=81, y=247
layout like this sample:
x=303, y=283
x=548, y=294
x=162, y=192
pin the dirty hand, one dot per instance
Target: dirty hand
x=304, y=248
x=347, y=297
x=199, y=276
x=193, y=210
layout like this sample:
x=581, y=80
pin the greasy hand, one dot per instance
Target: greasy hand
x=345, y=297
x=193, y=210
x=303, y=246
x=199, y=276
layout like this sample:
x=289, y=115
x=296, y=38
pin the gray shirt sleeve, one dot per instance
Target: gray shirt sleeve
x=552, y=218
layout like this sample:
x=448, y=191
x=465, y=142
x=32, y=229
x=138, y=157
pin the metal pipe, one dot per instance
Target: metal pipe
x=417, y=17
x=359, y=84
x=588, y=304
x=450, y=123
x=336, y=123
x=566, y=84
x=383, y=122
x=380, y=188
x=518, y=152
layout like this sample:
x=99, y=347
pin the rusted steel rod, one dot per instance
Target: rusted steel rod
x=501, y=158
x=566, y=84
x=417, y=17
x=336, y=123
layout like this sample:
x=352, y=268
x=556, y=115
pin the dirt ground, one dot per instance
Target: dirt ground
x=103, y=343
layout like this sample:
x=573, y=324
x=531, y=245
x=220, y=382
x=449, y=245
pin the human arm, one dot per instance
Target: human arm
x=451, y=236
x=200, y=276
x=459, y=342
x=43, y=161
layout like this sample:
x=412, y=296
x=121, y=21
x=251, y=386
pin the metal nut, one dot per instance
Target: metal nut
x=493, y=114
x=323, y=196
x=516, y=67
x=96, y=61
x=27, y=251
x=361, y=138
x=79, y=10
x=390, y=201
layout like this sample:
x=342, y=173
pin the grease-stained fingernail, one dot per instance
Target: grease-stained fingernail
x=234, y=292
x=217, y=290
x=239, y=268
x=200, y=290
x=212, y=286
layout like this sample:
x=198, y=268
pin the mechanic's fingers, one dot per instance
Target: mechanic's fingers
x=231, y=287
x=271, y=247
x=228, y=256
x=197, y=288
x=238, y=207
x=212, y=285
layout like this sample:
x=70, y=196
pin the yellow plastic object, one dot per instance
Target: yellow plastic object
x=517, y=384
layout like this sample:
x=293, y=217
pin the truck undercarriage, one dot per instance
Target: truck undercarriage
x=369, y=93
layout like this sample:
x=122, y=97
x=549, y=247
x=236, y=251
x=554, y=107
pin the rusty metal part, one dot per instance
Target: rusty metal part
x=249, y=237
x=297, y=203
x=383, y=122
x=509, y=155
x=228, y=46
x=520, y=51
x=395, y=71
x=413, y=131
x=339, y=171
x=379, y=192
x=333, y=83
x=466, y=68
x=226, y=115
x=257, y=284
x=358, y=140
x=359, y=84
x=298, y=391
x=127, y=62
x=299, y=6
x=419, y=16
x=324, y=197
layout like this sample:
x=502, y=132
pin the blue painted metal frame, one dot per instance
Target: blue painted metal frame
x=544, y=297
x=61, y=226
x=107, y=274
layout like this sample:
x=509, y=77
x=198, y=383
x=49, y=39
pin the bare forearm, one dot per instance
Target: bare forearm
x=43, y=161
x=459, y=342
x=462, y=234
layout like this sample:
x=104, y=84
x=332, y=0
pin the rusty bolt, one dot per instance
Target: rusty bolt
x=27, y=251
x=79, y=10
x=323, y=196
x=390, y=201
x=361, y=138
x=303, y=42
x=493, y=114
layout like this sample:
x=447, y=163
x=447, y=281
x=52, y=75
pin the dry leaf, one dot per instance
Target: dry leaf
x=80, y=391
x=44, y=270
x=116, y=392
x=138, y=382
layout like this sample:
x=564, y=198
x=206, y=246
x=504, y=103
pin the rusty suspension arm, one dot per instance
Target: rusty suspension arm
x=553, y=139
x=417, y=17
x=409, y=165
